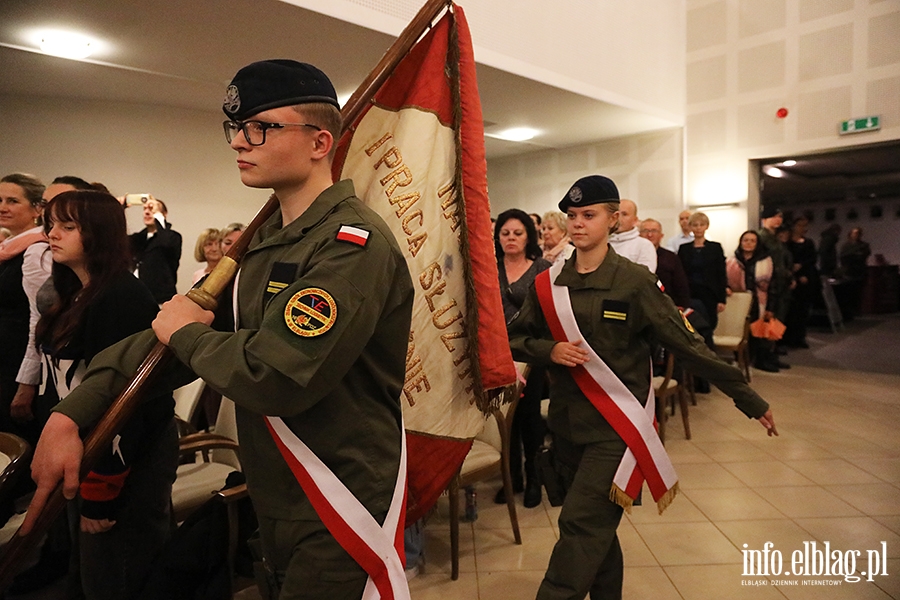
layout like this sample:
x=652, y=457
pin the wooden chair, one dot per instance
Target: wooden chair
x=15, y=457
x=732, y=334
x=187, y=398
x=15, y=454
x=488, y=456
x=667, y=390
x=216, y=456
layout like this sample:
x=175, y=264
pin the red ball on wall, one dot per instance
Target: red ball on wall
x=781, y=113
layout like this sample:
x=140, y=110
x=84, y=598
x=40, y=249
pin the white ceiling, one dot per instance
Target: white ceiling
x=183, y=53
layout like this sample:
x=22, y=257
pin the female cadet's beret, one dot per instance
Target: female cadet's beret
x=592, y=189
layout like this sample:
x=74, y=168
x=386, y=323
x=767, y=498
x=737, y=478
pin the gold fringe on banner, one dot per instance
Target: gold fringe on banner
x=486, y=400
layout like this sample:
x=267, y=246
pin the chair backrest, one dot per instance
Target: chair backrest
x=14, y=454
x=660, y=385
x=226, y=425
x=732, y=320
x=186, y=399
x=503, y=416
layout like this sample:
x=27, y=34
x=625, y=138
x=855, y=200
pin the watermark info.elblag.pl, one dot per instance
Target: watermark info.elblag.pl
x=816, y=564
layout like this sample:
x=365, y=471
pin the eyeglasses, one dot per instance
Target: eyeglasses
x=255, y=131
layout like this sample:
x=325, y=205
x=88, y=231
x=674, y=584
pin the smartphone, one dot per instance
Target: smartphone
x=136, y=199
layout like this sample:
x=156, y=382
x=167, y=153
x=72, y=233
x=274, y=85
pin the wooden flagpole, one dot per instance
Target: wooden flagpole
x=21, y=545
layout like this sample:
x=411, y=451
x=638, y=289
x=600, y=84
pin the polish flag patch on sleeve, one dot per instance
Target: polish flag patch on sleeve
x=661, y=287
x=354, y=235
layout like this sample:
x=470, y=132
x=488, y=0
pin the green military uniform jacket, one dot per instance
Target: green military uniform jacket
x=618, y=286
x=338, y=390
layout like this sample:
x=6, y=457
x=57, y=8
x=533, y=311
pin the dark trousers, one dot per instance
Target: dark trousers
x=587, y=558
x=528, y=427
x=305, y=562
x=114, y=564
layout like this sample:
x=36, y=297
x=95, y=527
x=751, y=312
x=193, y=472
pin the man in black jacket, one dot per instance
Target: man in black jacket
x=156, y=251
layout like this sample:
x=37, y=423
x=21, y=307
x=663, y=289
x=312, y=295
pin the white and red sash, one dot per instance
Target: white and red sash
x=378, y=549
x=645, y=458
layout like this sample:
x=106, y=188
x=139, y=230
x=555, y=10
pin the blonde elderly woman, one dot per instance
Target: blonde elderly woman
x=557, y=246
x=229, y=236
x=209, y=250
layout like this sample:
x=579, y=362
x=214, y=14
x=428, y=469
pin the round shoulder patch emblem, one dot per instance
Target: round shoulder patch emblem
x=310, y=312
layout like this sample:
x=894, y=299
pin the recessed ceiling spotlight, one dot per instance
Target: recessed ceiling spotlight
x=517, y=134
x=789, y=163
x=65, y=44
x=773, y=171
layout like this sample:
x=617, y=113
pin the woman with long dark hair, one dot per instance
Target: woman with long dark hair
x=123, y=510
x=750, y=269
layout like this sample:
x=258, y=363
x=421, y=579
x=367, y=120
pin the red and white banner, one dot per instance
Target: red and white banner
x=416, y=156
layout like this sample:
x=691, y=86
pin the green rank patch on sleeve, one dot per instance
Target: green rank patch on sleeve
x=281, y=276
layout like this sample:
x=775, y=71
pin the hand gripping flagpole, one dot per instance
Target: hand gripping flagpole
x=22, y=545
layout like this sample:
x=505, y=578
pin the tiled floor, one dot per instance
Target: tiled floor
x=833, y=475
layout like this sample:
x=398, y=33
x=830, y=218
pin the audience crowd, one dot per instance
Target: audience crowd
x=61, y=294
x=72, y=282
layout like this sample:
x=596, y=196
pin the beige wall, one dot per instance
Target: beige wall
x=646, y=169
x=177, y=155
x=824, y=60
x=626, y=52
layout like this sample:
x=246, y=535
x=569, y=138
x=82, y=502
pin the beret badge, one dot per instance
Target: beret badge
x=575, y=194
x=232, y=102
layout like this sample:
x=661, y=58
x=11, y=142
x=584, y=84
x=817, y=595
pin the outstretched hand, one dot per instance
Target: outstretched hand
x=768, y=421
x=56, y=458
x=568, y=354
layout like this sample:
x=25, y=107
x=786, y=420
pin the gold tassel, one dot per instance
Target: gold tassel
x=618, y=496
x=664, y=502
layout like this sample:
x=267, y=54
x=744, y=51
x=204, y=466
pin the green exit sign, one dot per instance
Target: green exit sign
x=860, y=125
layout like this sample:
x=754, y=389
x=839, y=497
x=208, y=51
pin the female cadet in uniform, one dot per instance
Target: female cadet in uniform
x=620, y=312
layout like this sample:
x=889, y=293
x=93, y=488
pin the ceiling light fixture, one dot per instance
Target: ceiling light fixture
x=65, y=44
x=516, y=134
x=789, y=163
x=719, y=206
x=773, y=171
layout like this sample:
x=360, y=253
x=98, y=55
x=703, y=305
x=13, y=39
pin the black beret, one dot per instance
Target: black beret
x=769, y=211
x=592, y=189
x=273, y=83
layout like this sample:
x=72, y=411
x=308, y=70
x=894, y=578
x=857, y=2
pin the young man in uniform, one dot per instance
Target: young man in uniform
x=317, y=360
